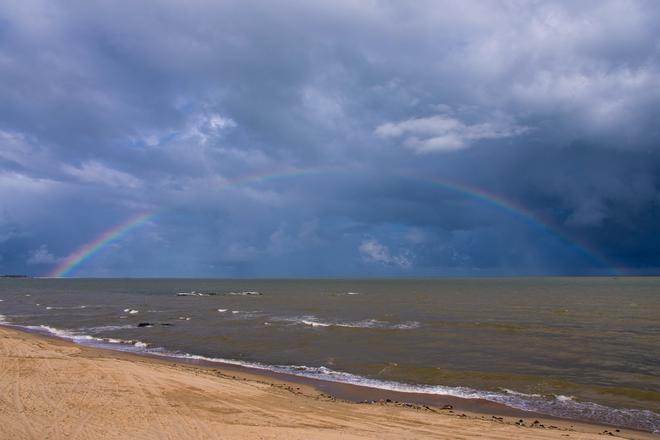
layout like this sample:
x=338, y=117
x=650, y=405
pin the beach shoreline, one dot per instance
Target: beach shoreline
x=272, y=405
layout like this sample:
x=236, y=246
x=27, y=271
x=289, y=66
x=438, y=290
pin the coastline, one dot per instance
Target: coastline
x=57, y=389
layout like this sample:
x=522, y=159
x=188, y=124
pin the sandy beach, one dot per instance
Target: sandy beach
x=54, y=389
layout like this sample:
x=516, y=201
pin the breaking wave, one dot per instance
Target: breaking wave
x=313, y=321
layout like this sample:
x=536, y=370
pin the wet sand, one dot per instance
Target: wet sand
x=55, y=389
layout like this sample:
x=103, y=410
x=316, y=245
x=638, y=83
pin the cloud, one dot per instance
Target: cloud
x=443, y=133
x=206, y=126
x=41, y=255
x=373, y=251
x=98, y=173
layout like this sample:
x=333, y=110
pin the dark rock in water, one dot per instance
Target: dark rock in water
x=145, y=324
x=167, y=324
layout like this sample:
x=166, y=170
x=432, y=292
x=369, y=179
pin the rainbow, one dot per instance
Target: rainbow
x=531, y=218
x=88, y=250
x=480, y=194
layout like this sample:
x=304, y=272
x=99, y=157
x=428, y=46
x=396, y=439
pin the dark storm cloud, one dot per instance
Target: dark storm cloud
x=111, y=109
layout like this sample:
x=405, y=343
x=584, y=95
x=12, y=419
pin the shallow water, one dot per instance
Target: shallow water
x=586, y=348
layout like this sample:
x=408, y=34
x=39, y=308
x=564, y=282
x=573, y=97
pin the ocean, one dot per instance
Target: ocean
x=579, y=348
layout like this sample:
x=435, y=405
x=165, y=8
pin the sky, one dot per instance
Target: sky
x=330, y=138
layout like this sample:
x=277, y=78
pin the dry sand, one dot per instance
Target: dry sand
x=53, y=389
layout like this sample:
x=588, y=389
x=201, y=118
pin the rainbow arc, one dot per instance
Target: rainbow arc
x=88, y=250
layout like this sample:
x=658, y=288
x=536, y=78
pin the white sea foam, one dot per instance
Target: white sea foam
x=222, y=310
x=352, y=293
x=78, y=336
x=366, y=323
x=64, y=308
x=516, y=393
x=313, y=321
x=66, y=334
x=240, y=293
x=193, y=293
x=408, y=325
x=374, y=323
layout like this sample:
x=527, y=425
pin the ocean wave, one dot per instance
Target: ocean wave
x=64, y=308
x=80, y=337
x=408, y=325
x=516, y=393
x=240, y=293
x=194, y=293
x=313, y=321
